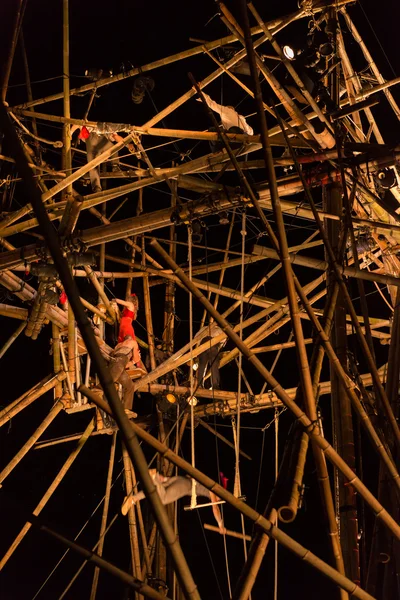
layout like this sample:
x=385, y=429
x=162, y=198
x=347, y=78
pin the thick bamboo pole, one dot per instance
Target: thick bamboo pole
x=104, y=516
x=58, y=407
x=12, y=338
x=266, y=525
x=146, y=554
x=26, y=399
x=130, y=439
x=278, y=389
x=133, y=534
x=89, y=555
x=52, y=488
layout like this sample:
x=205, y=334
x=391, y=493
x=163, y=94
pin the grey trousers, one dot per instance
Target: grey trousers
x=119, y=375
x=95, y=145
x=175, y=488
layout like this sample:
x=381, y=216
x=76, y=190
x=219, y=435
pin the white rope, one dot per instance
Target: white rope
x=193, y=499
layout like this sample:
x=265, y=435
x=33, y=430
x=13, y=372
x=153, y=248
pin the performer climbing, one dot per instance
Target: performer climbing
x=211, y=358
x=171, y=489
x=96, y=144
x=230, y=118
x=126, y=353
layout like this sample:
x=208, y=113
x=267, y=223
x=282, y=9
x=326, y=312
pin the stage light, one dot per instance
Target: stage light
x=387, y=178
x=289, y=52
x=195, y=366
x=192, y=401
x=171, y=398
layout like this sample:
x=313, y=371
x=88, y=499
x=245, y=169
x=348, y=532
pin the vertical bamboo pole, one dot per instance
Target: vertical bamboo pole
x=66, y=153
x=29, y=91
x=12, y=338
x=146, y=554
x=133, y=534
x=104, y=516
x=71, y=346
x=169, y=307
x=54, y=485
x=56, y=357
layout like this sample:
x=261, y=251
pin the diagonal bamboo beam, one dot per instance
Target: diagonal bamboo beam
x=12, y=338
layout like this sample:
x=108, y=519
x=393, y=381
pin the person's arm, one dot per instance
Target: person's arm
x=216, y=512
x=118, y=138
x=218, y=108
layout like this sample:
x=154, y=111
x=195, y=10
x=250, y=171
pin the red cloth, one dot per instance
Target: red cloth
x=84, y=133
x=63, y=298
x=125, y=326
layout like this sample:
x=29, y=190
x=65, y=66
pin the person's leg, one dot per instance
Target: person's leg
x=117, y=367
x=181, y=486
x=214, y=359
x=91, y=153
x=127, y=390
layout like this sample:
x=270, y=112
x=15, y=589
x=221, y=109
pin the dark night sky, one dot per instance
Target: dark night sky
x=116, y=35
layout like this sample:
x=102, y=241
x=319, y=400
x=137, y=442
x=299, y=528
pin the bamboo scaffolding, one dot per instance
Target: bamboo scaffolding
x=100, y=290
x=55, y=347
x=130, y=439
x=12, y=338
x=89, y=555
x=52, y=488
x=277, y=534
x=58, y=407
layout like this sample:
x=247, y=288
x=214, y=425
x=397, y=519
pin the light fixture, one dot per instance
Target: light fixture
x=387, y=178
x=192, y=401
x=289, y=52
x=171, y=398
x=195, y=366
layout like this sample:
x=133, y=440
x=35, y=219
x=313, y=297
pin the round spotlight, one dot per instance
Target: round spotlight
x=192, y=401
x=171, y=398
x=289, y=52
x=326, y=49
x=195, y=366
x=387, y=178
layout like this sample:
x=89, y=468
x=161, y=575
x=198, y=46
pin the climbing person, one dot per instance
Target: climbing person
x=121, y=358
x=171, y=489
x=97, y=143
x=210, y=358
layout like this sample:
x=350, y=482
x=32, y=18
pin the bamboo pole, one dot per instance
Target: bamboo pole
x=234, y=534
x=222, y=438
x=100, y=290
x=58, y=407
x=72, y=349
x=146, y=554
x=133, y=534
x=26, y=399
x=56, y=357
x=66, y=156
x=12, y=338
x=52, y=488
x=89, y=555
x=266, y=525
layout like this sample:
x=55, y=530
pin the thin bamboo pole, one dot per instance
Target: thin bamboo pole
x=133, y=534
x=58, y=407
x=26, y=399
x=146, y=554
x=12, y=338
x=104, y=516
x=100, y=290
x=234, y=534
x=89, y=555
x=72, y=349
x=56, y=357
x=266, y=525
x=222, y=438
x=52, y=488
x=66, y=150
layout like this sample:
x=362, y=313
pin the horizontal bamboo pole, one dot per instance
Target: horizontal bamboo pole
x=228, y=532
x=58, y=407
x=13, y=312
x=266, y=525
x=50, y=491
x=322, y=265
x=15, y=407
